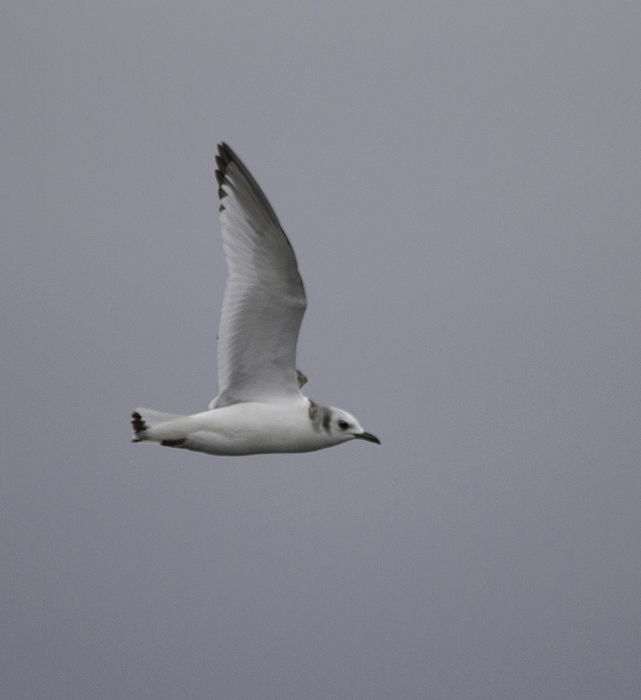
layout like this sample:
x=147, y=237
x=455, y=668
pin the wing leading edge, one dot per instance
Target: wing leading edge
x=264, y=299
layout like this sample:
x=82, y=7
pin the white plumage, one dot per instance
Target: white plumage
x=259, y=407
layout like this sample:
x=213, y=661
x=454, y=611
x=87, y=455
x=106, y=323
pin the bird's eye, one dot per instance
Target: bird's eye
x=343, y=424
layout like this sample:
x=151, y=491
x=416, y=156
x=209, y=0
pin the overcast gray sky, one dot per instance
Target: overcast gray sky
x=460, y=181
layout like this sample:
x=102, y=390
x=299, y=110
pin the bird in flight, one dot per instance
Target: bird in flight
x=259, y=407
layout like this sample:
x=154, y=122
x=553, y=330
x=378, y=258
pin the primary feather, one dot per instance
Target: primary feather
x=264, y=298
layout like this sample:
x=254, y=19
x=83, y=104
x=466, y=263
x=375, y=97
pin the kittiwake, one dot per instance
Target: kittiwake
x=259, y=407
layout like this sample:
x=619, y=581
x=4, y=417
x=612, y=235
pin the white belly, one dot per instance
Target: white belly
x=248, y=428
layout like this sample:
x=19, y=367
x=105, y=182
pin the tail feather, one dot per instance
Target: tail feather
x=138, y=424
x=142, y=419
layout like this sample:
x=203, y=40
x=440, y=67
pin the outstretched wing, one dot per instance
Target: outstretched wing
x=264, y=298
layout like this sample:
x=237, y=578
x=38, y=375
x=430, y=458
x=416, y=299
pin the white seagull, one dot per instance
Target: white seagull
x=259, y=407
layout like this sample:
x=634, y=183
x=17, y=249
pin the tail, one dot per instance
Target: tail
x=144, y=418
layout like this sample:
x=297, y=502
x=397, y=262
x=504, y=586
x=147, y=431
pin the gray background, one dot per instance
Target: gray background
x=460, y=181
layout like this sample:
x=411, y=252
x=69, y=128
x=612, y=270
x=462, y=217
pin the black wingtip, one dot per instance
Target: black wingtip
x=225, y=153
x=223, y=159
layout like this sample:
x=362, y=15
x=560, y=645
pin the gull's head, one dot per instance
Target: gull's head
x=343, y=425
